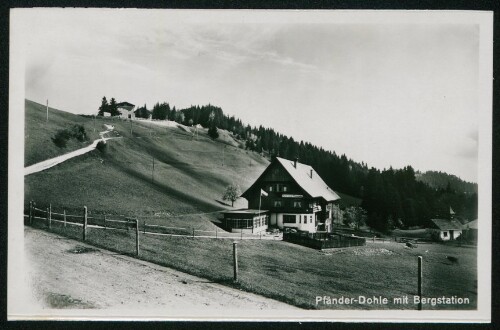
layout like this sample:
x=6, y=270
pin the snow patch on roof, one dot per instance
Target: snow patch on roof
x=312, y=184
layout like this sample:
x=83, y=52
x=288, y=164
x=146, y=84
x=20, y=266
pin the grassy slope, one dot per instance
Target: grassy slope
x=38, y=132
x=188, y=176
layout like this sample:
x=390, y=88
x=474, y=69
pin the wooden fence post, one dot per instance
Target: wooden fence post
x=235, y=261
x=215, y=232
x=193, y=232
x=137, y=237
x=48, y=217
x=31, y=213
x=64, y=215
x=420, y=282
x=105, y=226
x=144, y=226
x=84, y=231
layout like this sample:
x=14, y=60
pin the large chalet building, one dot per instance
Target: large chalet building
x=287, y=194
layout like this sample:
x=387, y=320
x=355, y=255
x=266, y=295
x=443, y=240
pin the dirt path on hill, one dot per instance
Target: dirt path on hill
x=67, y=274
x=38, y=167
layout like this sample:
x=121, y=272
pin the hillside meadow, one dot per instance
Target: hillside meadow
x=190, y=173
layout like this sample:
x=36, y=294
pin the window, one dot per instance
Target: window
x=445, y=234
x=278, y=203
x=300, y=219
x=310, y=219
x=270, y=188
x=281, y=187
x=289, y=218
x=297, y=204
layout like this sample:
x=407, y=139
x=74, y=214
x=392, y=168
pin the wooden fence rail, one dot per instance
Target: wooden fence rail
x=47, y=217
x=106, y=223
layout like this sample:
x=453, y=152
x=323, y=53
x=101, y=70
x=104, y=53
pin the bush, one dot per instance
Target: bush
x=61, y=138
x=77, y=132
x=101, y=146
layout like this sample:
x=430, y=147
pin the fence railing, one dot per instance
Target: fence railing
x=63, y=219
x=322, y=241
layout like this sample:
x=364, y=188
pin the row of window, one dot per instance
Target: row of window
x=294, y=203
x=278, y=187
x=279, y=203
x=246, y=223
x=292, y=218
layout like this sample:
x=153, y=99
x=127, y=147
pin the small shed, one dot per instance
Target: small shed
x=448, y=229
x=248, y=221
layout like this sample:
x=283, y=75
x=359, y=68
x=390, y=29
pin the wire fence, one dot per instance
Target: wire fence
x=48, y=218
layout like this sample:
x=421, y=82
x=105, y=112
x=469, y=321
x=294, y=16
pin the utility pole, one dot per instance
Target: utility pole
x=47, y=110
x=153, y=171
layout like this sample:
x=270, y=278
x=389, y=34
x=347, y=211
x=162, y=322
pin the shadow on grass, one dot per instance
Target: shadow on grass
x=165, y=189
x=222, y=203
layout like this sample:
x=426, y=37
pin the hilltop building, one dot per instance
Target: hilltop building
x=293, y=195
x=126, y=110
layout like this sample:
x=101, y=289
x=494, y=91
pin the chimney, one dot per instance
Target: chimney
x=311, y=173
x=295, y=162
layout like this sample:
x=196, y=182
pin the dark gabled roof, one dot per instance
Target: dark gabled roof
x=444, y=224
x=246, y=211
x=125, y=104
x=471, y=225
x=301, y=174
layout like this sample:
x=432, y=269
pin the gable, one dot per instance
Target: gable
x=276, y=173
x=273, y=173
x=302, y=175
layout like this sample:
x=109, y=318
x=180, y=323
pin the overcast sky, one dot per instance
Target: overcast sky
x=387, y=92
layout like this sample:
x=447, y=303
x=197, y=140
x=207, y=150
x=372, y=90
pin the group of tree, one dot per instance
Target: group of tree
x=391, y=197
x=110, y=107
x=440, y=180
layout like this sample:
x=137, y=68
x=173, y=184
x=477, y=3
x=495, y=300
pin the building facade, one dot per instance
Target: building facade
x=446, y=230
x=295, y=196
x=126, y=110
x=246, y=221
